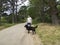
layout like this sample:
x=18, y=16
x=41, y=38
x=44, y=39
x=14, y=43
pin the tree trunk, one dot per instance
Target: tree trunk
x=42, y=12
x=0, y=10
x=54, y=19
x=16, y=13
x=0, y=19
x=53, y=11
x=13, y=11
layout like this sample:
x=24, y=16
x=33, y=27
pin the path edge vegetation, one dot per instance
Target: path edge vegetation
x=49, y=34
x=3, y=26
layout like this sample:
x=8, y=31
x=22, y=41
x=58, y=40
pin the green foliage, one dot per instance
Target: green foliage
x=58, y=6
x=32, y=12
x=36, y=10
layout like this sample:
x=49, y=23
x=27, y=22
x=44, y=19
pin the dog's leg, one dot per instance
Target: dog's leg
x=28, y=31
x=33, y=31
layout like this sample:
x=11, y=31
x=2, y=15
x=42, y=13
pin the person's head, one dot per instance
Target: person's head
x=28, y=15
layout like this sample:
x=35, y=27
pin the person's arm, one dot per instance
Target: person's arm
x=31, y=20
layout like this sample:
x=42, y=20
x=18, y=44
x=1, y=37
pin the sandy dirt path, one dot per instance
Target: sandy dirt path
x=15, y=35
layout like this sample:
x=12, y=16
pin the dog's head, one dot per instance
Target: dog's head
x=25, y=26
x=36, y=26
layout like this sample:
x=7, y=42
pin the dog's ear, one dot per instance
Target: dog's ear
x=36, y=26
x=25, y=26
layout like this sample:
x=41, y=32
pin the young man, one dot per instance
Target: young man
x=29, y=21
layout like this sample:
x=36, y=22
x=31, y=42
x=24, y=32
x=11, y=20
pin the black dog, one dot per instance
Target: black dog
x=31, y=28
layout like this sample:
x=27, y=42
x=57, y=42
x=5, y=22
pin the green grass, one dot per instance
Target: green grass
x=49, y=34
x=5, y=25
